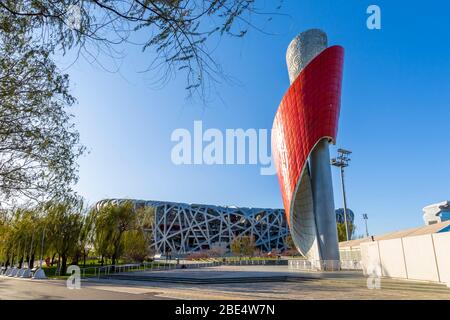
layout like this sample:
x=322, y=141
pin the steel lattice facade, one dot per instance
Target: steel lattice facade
x=183, y=228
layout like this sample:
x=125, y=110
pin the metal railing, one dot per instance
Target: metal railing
x=109, y=269
x=123, y=268
x=351, y=265
x=104, y=271
x=244, y=262
x=297, y=264
x=324, y=265
x=238, y=262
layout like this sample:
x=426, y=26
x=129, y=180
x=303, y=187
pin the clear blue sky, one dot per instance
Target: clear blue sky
x=395, y=112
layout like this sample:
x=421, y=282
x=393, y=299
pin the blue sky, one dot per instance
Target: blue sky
x=394, y=116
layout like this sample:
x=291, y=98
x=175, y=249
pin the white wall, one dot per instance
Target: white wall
x=442, y=248
x=369, y=257
x=425, y=257
x=420, y=259
x=390, y=253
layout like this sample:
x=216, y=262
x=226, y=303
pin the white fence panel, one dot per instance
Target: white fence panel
x=420, y=259
x=442, y=248
x=392, y=262
x=370, y=258
x=425, y=257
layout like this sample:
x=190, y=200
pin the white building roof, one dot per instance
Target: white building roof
x=434, y=228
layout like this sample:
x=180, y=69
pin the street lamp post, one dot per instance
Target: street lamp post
x=42, y=248
x=341, y=161
x=365, y=217
x=31, y=250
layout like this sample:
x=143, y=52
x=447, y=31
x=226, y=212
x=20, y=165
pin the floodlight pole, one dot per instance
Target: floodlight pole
x=342, y=161
x=42, y=248
x=345, y=202
x=365, y=217
x=31, y=250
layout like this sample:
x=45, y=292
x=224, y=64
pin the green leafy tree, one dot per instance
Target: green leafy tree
x=38, y=143
x=136, y=246
x=20, y=234
x=177, y=31
x=289, y=242
x=139, y=241
x=146, y=221
x=111, y=223
x=86, y=237
x=25, y=234
x=6, y=232
x=64, y=224
x=341, y=231
x=243, y=246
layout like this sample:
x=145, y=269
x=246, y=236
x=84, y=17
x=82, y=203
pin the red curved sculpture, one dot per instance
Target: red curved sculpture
x=307, y=114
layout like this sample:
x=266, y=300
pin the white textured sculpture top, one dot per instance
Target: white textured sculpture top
x=302, y=49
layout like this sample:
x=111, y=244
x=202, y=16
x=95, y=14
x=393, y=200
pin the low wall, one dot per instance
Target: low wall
x=425, y=257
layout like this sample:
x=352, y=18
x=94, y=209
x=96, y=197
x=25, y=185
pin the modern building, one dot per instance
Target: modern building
x=305, y=123
x=412, y=232
x=436, y=213
x=182, y=228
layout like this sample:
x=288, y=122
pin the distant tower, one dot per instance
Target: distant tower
x=305, y=124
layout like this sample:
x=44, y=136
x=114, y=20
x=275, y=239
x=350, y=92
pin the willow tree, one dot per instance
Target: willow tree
x=243, y=246
x=112, y=221
x=63, y=228
x=5, y=239
x=140, y=242
x=20, y=234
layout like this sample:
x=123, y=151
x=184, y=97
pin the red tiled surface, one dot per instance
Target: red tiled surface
x=308, y=112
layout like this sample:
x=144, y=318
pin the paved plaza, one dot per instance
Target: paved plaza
x=289, y=285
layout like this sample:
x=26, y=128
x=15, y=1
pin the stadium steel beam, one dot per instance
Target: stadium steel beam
x=304, y=125
x=182, y=228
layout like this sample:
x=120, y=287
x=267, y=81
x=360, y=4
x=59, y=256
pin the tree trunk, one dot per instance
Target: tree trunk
x=84, y=258
x=32, y=261
x=53, y=259
x=77, y=258
x=58, y=264
x=116, y=249
x=63, y=264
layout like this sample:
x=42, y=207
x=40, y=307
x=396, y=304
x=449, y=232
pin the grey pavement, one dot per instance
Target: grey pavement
x=28, y=289
x=305, y=286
